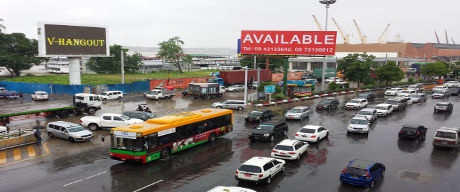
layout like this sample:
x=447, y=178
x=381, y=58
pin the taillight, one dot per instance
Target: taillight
x=81, y=121
x=367, y=175
x=437, y=140
x=296, y=134
x=261, y=175
x=274, y=151
x=451, y=142
x=291, y=153
x=400, y=131
x=345, y=170
x=313, y=136
x=236, y=172
x=417, y=133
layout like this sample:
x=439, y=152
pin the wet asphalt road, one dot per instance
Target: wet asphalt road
x=410, y=165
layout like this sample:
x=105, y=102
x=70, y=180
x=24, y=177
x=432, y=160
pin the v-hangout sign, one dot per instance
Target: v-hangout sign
x=288, y=42
x=72, y=40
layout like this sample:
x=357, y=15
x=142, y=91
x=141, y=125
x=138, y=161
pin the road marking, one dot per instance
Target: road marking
x=17, y=154
x=2, y=157
x=45, y=145
x=148, y=186
x=84, y=179
x=31, y=151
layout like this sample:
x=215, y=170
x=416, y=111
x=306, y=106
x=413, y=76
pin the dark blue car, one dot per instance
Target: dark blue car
x=362, y=172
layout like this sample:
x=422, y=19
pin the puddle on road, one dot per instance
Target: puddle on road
x=417, y=176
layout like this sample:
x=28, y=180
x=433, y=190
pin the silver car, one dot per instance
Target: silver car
x=299, y=112
x=230, y=104
x=69, y=131
x=234, y=88
x=370, y=114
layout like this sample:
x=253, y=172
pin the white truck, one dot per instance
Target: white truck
x=166, y=92
x=108, y=120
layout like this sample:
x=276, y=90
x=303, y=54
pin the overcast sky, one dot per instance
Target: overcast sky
x=218, y=23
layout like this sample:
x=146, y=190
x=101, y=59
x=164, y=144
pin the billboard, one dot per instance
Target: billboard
x=72, y=40
x=288, y=42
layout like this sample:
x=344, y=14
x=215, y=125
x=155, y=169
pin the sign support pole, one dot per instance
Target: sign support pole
x=74, y=71
x=245, y=83
x=285, y=65
x=122, y=59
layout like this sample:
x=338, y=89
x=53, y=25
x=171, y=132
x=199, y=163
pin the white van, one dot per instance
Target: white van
x=111, y=95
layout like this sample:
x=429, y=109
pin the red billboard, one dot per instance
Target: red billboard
x=288, y=42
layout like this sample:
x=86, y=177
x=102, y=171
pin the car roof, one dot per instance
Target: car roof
x=110, y=91
x=360, y=117
x=290, y=142
x=450, y=128
x=311, y=126
x=412, y=125
x=63, y=123
x=85, y=94
x=361, y=164
x=272, y=122
x=258, y=161
x=367, y=109
x=112, y=114
x=383, y=104
x=40, y=92
x=359, y=99
x=299, y=107
x=443, y=102
x=140, y=112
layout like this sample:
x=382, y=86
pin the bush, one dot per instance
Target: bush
x=279, y=96
x=313, y=88
x=333, y=86
x=410, y=80
x=346, y=85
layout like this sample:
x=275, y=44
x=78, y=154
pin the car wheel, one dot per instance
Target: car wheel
x=269, y=179
x=50, y=135
x=165, y=152
x=240, y=108
x=93, y=127
x=119, y=98
x=212, y=137
x=71, y=139
x=327, y=134
x=272, y=138
x=371, y=185
x=219, y=107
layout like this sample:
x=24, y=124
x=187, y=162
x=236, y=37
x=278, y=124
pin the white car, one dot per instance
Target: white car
x=442, y=88
x=384, y=109
x=107, y=120
x=233, y=88
x=39, y=95
x=259, y=169
x=289, y=149
x=68, y=131
x=331, y=79
x=312, y=133
x=356, y=104
x=358, y=124
x=111, y=95
x=393, y=91
x=406, y=93
x=298, y=112
x=370, y=114
x=452, y=84
x=230, y=104
x=230, y=189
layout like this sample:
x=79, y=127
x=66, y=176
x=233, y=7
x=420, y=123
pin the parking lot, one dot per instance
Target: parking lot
x=410, y=164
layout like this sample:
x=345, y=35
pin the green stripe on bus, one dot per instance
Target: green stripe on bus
x=152, y=157
x=189, y=146
x=128, y=152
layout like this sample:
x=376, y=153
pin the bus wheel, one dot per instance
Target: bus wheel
x=165, y=152
x=212, y=137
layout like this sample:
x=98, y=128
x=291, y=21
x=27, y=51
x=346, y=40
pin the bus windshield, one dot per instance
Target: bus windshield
x=136, y=145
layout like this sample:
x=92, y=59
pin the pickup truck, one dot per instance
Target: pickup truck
x=8, y=94
x=107, y=120
x=166, y=92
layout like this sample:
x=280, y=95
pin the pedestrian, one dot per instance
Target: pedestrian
x=7, y=129
x=21, y=95
x=38, y=135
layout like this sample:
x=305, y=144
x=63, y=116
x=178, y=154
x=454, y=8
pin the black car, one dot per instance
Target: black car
x=368, y=96
x=139, y=115
x=269, y=131
x=454, y=91
x=259, y=116
x=329, y=103
x=413, y=131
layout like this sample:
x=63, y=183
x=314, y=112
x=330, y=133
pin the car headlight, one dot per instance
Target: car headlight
x=266, y=135
x=257, y=117
x=349, y=127
x=77, y=137
x=250, y=134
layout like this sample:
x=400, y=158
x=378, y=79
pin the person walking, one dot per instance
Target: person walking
x=38, y=135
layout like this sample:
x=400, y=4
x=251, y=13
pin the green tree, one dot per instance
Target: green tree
x=333, y=86
x=356, y=67
x=389, y=72
x=17, y=52
x=171, y=51
x=113, y=64
x=435, y=69
x=274, y=63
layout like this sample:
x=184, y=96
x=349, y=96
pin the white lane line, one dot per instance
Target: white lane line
x=148, y=186
x=84, y=179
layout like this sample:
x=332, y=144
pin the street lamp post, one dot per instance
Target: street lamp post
x=323, y=74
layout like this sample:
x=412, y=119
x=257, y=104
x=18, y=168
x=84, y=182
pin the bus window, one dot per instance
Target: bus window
x=166, y=139
x=151, y=141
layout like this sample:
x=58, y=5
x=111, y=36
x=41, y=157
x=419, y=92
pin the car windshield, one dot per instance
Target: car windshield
x=409, y=129
x=41, y=94
x=414, y=96
x=104, y=94
x=358, y=121
x=325, y=101
x=284, y=147
x=256, y=113
x=393, y=102
x=353, y=101
x=124, y=117
x=438, y=92
x=75, y=129
x=365, y=113
x=442, y=104
x=295, y=111
x=250, y=168
x=150, y=116
x=356, y=171
x=448, y=135
x=381, y=107
x=306, y=130
x=265, y=127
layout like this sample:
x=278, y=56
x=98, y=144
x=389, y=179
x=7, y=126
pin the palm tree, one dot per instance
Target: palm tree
x=2, y=27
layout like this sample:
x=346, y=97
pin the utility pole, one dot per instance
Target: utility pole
x=285, y=65
x=258, y=82
x=122, y=66
x=328, y=4
x=245, y=83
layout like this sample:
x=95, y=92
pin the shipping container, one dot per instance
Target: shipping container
x=237, y=76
